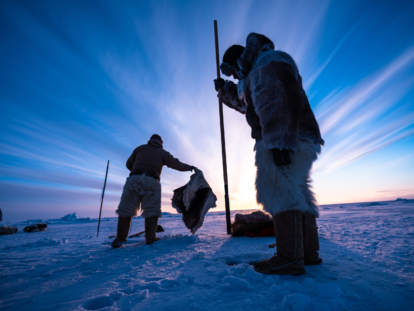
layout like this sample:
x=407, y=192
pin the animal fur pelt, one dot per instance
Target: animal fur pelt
x=255, y=217
x=254, y=223
x=193, y=201
x=286, y=188
x=271, y=95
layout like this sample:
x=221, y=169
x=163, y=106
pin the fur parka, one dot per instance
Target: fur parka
x=271, y=95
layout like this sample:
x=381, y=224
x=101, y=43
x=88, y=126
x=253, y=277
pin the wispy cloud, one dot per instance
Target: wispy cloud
x=79, y=88
x=367, y=117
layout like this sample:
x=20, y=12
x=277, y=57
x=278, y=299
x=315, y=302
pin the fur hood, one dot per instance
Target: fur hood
x=256, y=44
x=256, y=54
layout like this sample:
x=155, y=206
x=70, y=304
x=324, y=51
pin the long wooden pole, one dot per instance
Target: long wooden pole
x=103, y=193
x=223, y=141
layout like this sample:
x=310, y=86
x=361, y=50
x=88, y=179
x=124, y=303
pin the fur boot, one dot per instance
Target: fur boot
x=289, y=238
x=310, y=239
x=150, y=229
x=122, y=232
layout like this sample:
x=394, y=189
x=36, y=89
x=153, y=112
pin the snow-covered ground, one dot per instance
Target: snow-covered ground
x=367, y=251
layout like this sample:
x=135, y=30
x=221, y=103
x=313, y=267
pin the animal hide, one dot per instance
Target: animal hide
x=194, y=200
x=255, y=217
x=251, y=224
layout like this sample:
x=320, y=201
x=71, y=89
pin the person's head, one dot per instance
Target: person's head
x=229, y=65
x=156, y=138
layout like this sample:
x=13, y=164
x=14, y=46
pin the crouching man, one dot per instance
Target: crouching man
x=143, y=188
x=288, y=141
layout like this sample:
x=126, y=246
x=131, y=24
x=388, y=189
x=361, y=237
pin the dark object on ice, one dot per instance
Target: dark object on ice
x=35, y=228
x=194, y=200
x=1, y=215
x=254, y=224
x=122, y=231
x=103, y=193
x=6, y=230
x=272, y=245
x=159, y=229
x=255, y=217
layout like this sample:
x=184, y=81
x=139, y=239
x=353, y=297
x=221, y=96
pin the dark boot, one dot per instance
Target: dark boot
x=310, y=239
x=151, y=229
x=289, y=240
x=122, y=232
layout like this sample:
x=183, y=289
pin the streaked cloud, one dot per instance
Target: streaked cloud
x=85, y=83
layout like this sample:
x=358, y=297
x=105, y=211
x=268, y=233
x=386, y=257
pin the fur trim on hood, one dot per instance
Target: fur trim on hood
x=255, y=45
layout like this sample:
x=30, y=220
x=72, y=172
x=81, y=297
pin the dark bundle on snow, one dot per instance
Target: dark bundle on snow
x=6, y=230
x=255, y=223
x=35, y=228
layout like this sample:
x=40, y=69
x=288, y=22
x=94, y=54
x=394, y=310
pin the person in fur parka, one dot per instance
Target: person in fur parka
x=288, y=141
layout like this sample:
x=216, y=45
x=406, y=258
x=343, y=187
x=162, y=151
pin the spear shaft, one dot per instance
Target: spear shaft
x=102, y=198
x=223, y=141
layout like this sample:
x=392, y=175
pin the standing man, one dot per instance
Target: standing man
x=288, y=140
x=143, y=188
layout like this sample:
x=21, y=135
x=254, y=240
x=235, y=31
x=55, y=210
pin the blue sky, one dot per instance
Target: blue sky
x=87, y=81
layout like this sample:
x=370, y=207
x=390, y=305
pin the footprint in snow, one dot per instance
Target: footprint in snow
x=98, y=303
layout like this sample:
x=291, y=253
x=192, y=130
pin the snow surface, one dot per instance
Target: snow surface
x=367, y=251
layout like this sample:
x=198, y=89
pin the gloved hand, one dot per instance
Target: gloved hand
x=281, y=157
x=219, y=83
x=193, y=168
